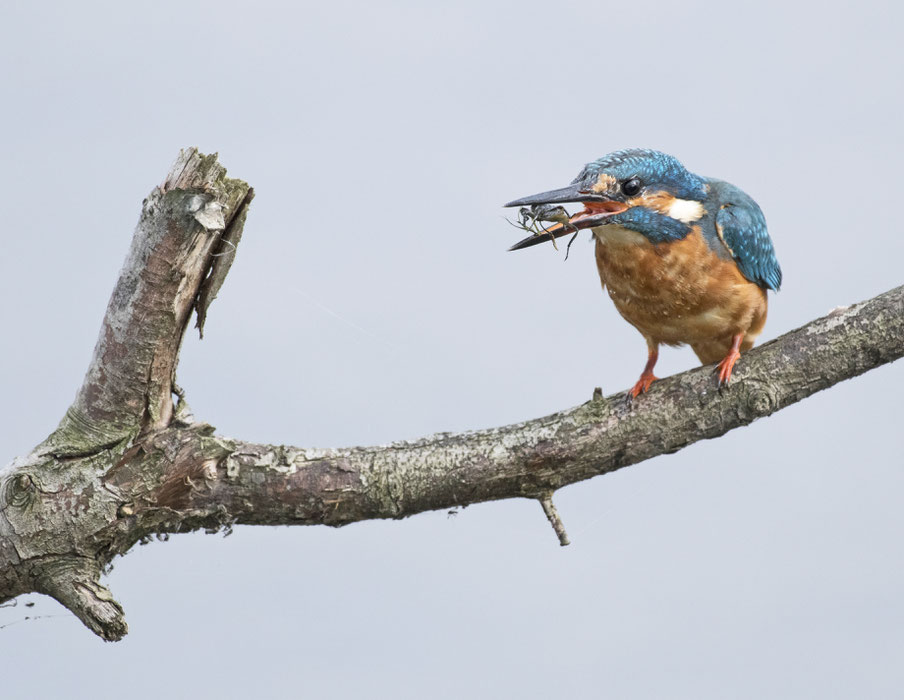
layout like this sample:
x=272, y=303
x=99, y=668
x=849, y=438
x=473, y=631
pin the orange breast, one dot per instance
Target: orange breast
x=679, y=292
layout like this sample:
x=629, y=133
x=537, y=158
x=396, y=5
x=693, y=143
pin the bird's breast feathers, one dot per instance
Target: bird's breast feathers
x=678, y=291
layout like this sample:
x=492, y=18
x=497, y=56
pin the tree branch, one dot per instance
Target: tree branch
x=125, y=464
x=278, y=485
x=128, y=385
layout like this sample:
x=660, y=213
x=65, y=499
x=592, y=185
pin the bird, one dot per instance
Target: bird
x=685, y=259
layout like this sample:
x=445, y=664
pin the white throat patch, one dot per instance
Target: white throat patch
x=685, y=210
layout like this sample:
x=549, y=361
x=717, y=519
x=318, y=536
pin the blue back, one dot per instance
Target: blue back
x=739, y=223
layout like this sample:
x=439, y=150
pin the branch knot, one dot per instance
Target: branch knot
x=18, y=491
x=762, y=400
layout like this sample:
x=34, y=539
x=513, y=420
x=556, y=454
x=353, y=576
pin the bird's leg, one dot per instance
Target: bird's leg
x=726, y=365
x=646, y=377
x=571, y=240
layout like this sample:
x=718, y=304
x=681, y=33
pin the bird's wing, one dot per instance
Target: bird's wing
x=742, y=228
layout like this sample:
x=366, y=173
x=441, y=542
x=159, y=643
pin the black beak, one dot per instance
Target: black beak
x=597, y=208
x=547, y=234
x=572, y=193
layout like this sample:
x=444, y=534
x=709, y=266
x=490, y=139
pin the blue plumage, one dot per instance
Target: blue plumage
x=658, y=228
x=741, y=226
x=651, y=166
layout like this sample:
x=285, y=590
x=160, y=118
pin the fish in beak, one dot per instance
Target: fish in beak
x=597, y=208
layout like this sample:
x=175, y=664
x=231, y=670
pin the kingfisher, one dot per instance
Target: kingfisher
x=685, y=259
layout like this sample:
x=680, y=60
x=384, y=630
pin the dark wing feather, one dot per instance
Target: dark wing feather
x=742, y=228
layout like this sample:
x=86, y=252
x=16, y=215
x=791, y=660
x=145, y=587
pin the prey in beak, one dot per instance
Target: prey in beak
x=597, y=208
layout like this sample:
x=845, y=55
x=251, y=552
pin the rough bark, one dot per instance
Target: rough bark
x=126, y=463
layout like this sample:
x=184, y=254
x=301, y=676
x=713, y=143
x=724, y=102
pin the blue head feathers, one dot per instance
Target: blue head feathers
x=659, y=170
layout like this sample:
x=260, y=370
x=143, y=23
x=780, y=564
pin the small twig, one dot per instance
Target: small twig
x=553, y=516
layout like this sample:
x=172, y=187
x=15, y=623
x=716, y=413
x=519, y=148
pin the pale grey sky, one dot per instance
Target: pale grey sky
x=767, y=563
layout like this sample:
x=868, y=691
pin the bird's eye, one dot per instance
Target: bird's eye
x=632, y=187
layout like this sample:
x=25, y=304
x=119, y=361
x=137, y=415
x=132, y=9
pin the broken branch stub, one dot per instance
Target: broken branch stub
x=54, y=502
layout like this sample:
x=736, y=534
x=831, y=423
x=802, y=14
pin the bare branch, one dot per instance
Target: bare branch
x=125, y=465
x=277, y=485
x=552, y=514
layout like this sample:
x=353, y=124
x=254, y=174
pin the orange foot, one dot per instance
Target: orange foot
x=726, y=365
x=643, y=384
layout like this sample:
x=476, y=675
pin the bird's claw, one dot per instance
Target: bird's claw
x=642, y=386
x=725, y=366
